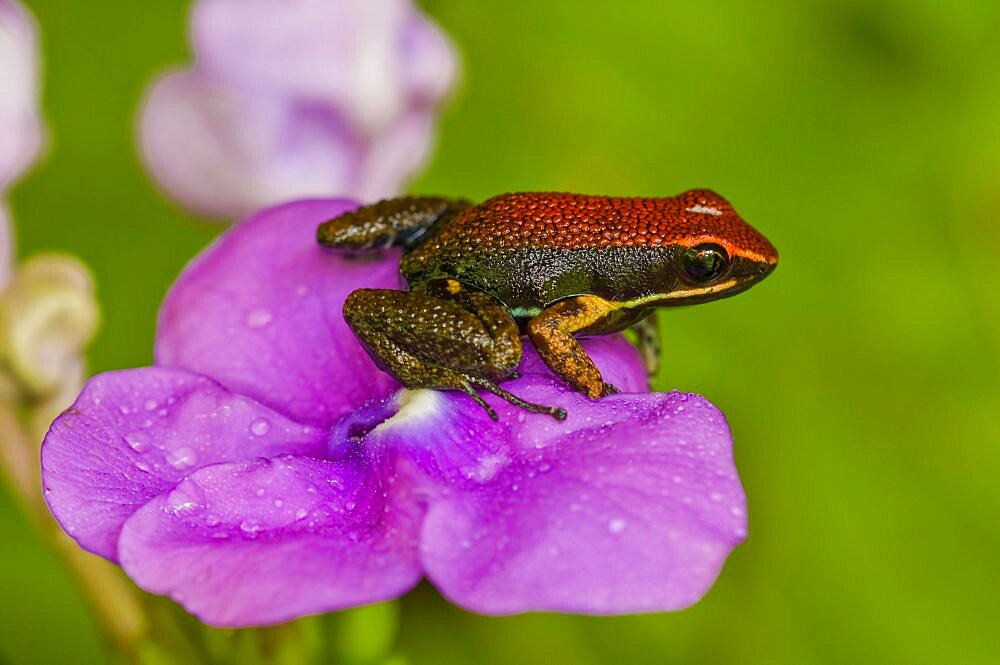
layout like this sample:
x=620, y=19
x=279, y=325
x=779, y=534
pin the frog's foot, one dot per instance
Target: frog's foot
x=554, y=411
x=455, y=341
x=552, y=333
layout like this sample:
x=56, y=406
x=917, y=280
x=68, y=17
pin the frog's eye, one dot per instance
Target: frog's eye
x=705, y=263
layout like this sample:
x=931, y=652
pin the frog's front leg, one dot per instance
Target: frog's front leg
x=400, y=221
x=552, y=333
x=441, y=336
x=647, y=341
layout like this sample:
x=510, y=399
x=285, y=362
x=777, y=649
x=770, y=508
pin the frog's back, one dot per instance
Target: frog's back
x=574, y=221
x=531, y=248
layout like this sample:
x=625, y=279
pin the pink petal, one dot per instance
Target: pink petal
x=260, y=311
x=21, y=134
x=267, y=541
x=133, y=434
x=632, y=504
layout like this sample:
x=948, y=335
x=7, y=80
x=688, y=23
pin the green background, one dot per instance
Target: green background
x=860, y=380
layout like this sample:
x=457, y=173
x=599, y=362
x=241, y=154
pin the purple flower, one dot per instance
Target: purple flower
x=331, y=99
x=264, y=469
x=20, y=122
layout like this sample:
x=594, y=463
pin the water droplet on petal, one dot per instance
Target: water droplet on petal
x=182, y=458
x=251, y=527
x=259, y=318
x=616, y=525
x=181, y=502
x=260, y=427
x=278, y=503
x=136, y=442
x=150, y=404
x=301, y=513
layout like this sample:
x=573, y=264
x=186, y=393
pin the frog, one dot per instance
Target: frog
x=553, y=267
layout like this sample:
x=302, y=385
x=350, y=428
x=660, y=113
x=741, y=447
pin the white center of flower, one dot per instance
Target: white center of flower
x=413, y=405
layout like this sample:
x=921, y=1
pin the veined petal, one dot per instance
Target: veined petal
x=632, y=504
x=134, y=434
x=261, y=312
x=636, y=515
x=266, y=541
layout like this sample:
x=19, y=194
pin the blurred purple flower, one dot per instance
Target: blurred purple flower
x=264, y=469
x=20, y=118
x=297, y=98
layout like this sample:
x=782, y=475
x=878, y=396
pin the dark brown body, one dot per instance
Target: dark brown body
x=553, y=266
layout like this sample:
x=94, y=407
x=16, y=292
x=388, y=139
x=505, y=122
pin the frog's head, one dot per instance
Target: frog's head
x=717, y=254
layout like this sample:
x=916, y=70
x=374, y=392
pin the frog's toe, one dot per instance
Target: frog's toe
x=609, y=389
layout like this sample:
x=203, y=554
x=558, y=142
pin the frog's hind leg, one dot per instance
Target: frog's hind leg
x=441, y=337
x=647, y=341
x=401, y=221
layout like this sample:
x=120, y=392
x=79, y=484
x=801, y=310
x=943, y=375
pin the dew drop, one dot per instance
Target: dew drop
x=136, y=442
x=180, y=503
x=150, y=404
x=182, y=458
x=251, y=527
x=715, y=496
x=259, y=318
x=466, y=544
x=142, y=466
x=124, y=410
x=736, y=511
x=259, y=491
x=301, y=513
x=260, y=427
x=616, y=525
x=278, y=503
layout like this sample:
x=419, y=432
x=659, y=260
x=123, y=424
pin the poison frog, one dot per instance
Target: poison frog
x=553, y=266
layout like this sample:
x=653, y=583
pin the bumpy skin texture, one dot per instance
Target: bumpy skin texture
x=531, y=249
x=556, y=265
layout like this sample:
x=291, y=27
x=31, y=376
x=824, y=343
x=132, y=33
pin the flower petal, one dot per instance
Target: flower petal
x=635, y=513
x=266, y=541
x=133, y=434
x=226, y=153
x=630, y=504
x=21, y=133
x=260, y=311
